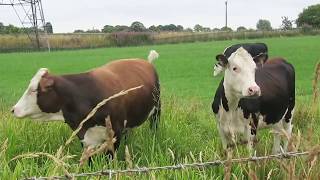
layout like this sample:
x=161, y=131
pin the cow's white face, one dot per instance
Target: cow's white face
x=239, y=77
x=27, y=105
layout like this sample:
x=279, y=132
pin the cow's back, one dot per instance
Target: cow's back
x=125, y=74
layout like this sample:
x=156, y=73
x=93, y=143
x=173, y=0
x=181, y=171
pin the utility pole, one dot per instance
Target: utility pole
x=226, y=2
x=30, y=12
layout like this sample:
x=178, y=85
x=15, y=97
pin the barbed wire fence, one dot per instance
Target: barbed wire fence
x=110, y=173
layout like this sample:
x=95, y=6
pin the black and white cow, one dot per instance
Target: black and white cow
x=249, y=98
x=259, y=52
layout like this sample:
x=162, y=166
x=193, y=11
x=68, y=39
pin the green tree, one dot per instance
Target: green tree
x=2, y=27
x=108, y=29
x=286, y=23
x=121, y=28
x=11, y=29
x=180, y=28
x=78, y=31
x=48, y=28
x=137, y=27
x=226, y=29
x=241, y=28
x=264, y=25
x=310, y=16
x=198, y=28
x=153, y=28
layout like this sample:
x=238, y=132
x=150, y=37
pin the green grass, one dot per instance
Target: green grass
x=187, y=122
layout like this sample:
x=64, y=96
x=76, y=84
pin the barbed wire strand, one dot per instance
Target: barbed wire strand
x=110, y=172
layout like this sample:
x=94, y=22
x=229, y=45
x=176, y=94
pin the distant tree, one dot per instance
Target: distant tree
x=180, y=28
x=188, y=30
x=286, y=23
x=93, y=31
x=198, y=28
x=310, y=16
x=1, y=28
x=226, y=29
x=78, y=31
x=137, y=27
x=241, y=28
x=108, y=29
x=121, y=28
x=159, y=28
x=48, y=28
x=153, y=28
x=206, y=29
x=215, y=29
x=11, y=29
x=264, y=25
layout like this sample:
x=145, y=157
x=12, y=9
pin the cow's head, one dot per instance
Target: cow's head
x=219, y=67
x=239, y=76
x=39, y=101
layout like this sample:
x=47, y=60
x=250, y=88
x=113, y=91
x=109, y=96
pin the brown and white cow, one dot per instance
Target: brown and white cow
x=71, y=97
x=249, y=98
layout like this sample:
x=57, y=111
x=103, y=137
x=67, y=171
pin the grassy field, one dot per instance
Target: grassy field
x=187, y=132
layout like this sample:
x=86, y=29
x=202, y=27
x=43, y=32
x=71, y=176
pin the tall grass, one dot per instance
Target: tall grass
x=11, y=43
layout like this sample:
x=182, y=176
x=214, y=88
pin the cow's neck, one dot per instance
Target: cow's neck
x=232, y=98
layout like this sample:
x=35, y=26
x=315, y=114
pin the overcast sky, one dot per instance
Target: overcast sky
x=68, y=15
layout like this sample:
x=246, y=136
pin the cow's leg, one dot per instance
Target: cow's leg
x=287, y=125
x=277, y=138
x=155, y=115
x=223, y=137
x=249, y=137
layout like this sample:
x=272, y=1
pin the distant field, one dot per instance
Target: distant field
x=187, y=122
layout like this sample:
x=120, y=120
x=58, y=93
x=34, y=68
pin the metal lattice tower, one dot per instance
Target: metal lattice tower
x=30, y=14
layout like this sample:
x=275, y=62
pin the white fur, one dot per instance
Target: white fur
x=153, y=55
x=95, y=136
x=27, y=105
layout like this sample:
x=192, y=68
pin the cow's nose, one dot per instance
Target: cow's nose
x=254, y=90
x=12, y=110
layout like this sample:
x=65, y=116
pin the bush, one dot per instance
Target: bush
x=130, y=38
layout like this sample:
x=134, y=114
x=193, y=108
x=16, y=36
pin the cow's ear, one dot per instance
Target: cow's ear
x=222, y=60
x=46, y=83
x=260, y=59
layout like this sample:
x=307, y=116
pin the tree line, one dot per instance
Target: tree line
x=11, y=29
x=309, y=18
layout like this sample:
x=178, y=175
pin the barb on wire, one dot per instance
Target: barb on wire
x=109, y=172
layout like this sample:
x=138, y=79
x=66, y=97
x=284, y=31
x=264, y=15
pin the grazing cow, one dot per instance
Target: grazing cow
x=259, y=52
x=72, y=97
x=249, y=98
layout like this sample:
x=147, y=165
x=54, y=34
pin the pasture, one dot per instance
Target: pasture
x=187, y=131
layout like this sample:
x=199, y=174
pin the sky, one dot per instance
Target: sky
x=69, y=15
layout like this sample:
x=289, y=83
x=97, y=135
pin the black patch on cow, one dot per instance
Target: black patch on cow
x=218, y=98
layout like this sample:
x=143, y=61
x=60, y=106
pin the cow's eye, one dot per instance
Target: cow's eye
x=234, y=68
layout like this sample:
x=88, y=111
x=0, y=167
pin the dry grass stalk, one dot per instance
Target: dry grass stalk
x=94, y=110
x=313, y=156
x=228, y=165
x=172, y=154
x=4, y=147
x=315, y=84
x=59, y=162
x=128, y=158
x=108, y=145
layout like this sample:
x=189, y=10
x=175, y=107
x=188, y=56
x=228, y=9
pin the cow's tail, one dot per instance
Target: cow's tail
x=153, y=55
